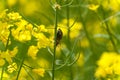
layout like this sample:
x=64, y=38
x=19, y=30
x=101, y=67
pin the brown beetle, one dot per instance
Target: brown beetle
x=59, y=36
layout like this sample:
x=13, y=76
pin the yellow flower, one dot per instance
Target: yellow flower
x=29, y=27
x=11, y=68
x=23, y=32
x=21, y=25
x=32, y=51
x=9, y=54
x=43, y=41
x=100, y=72
x=14, y=16
x=109, y=64
x=93, y=7
x=107, y=59
x=21, y=35
x=4, y=32
x=42, y=28
x=111, y=5
x=39, y=71
x=24, y=36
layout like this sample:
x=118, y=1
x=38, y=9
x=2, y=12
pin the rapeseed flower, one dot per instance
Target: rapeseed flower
x=42, y=28
x=111, y=5
x=4, y=32
x=43, y=41
x=14, y=16
x=108, y=65
x=12, y=67
x=23, y=31
x=7, y=55
x=32, y=51
x=24, y=36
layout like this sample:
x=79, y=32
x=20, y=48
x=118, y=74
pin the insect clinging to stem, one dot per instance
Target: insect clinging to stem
x=59, y=36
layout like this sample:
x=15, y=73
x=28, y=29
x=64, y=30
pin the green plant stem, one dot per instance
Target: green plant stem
x=20, y=68
x=68, y=35
x=23, y=63
x=29, y=73
x=111, y=39
x=54, y=53
x=6, y=47
x=68, y=26
x=23, y=54
x=108, y=31
x=2, y=73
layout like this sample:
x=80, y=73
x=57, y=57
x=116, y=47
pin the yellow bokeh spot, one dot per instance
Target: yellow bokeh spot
x=39, y=71
x=30, y=7
x=43, y=63
x=93, y=7
x=84, y=42
x=74, y=28
x=81, y=61
x=11, y=3
x=2, y=62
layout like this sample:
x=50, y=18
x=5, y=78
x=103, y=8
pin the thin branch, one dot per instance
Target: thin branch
x=55, y=39
x=28, y=73
x=68, y=4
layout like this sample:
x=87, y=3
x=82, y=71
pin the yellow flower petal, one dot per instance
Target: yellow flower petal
x=32, y=51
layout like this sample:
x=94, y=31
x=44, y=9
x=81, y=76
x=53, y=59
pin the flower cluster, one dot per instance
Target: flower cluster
x=108, y=66
x=14, y=28
x=7, y=56
x=13, y=25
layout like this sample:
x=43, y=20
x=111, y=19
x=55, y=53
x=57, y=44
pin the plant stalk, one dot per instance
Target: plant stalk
x=54, y=53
